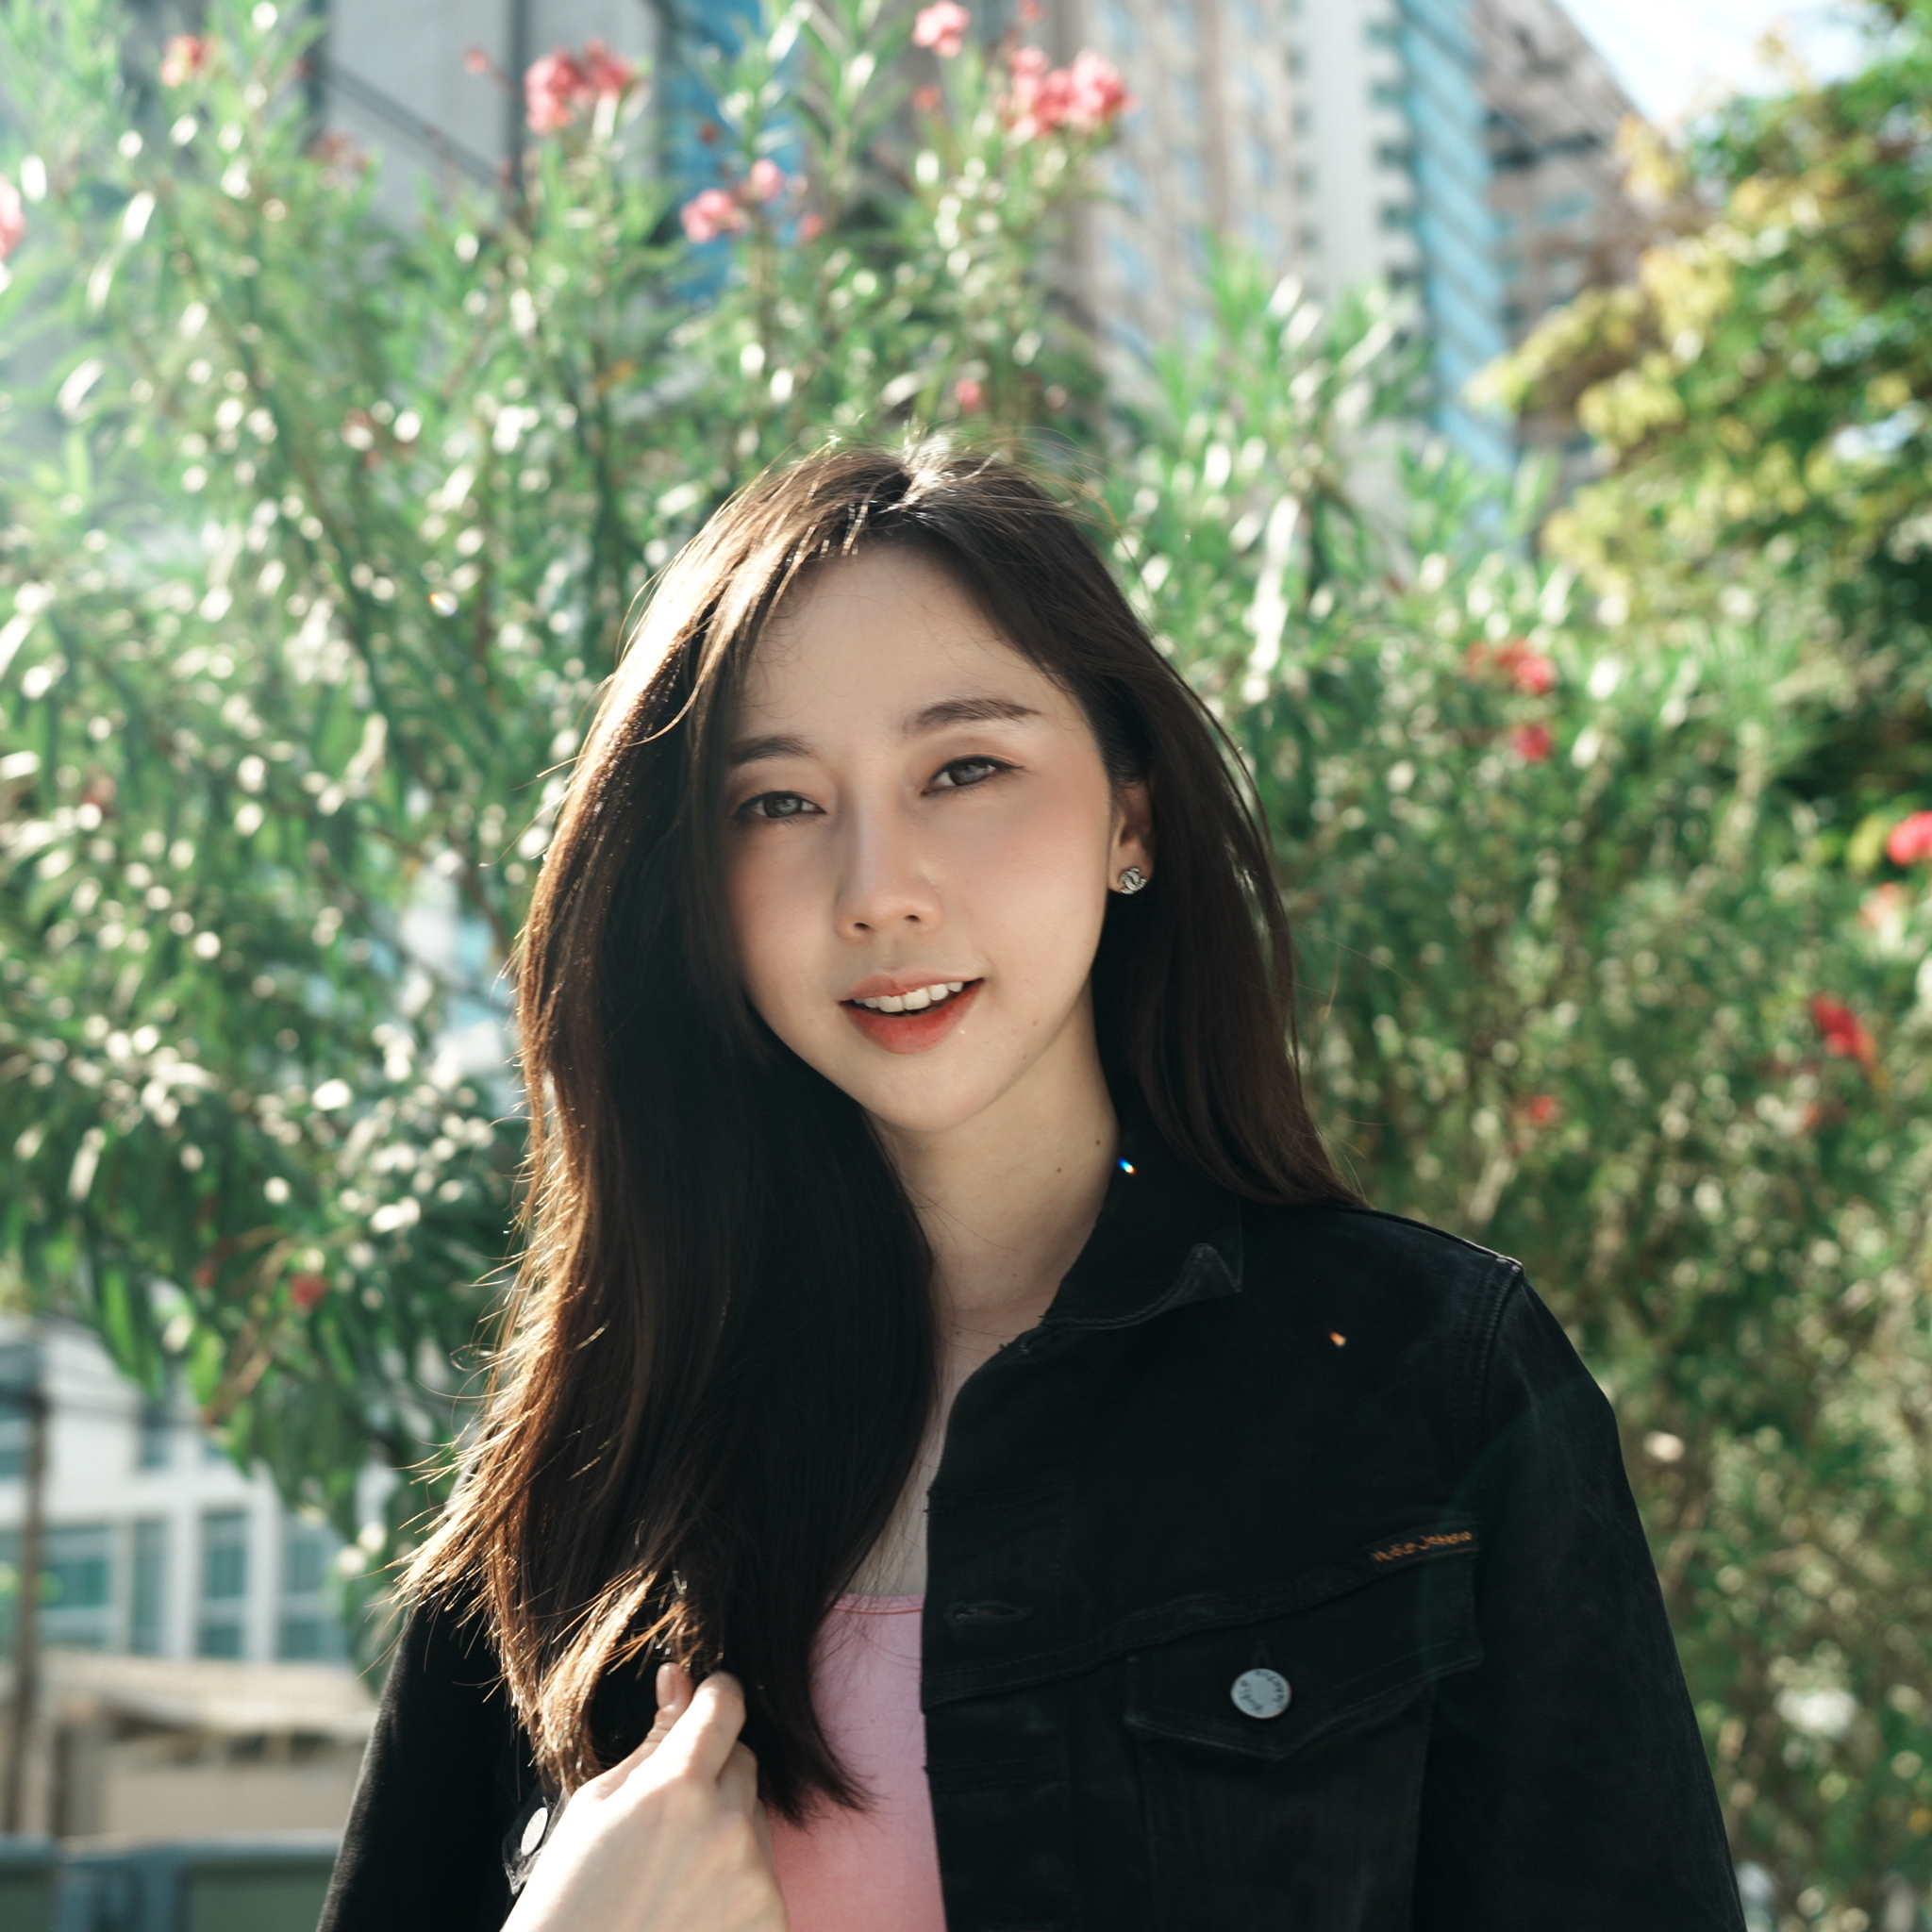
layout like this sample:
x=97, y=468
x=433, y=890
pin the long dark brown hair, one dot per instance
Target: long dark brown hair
x=721, y=1354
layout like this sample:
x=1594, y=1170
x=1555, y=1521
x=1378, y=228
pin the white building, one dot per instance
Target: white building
x=157, y=1544
x=192, y=1672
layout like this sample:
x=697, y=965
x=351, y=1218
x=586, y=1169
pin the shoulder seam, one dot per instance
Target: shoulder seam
x=1508, y=1279
x=1423, y=1226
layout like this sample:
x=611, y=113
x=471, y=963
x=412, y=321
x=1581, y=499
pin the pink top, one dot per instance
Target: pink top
x=876, y=1870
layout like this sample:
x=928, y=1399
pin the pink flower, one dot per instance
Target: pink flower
x=1541, y=1109
x=560, y=83
x=811, y=226
x=1911, y=840
x=607, y=72
x=475, y=60
x=13, y=218
x=926, y=99
x=554, y=89
x=1842, y=1031
x=969, y=394
x=709, y=213
x=766, y=181
x=942, y=27
x=1884, y=910
x=182, y=58
x=1532, y=742
x=1031, y=103
x=1527, y=669
x=1085, y=96
x=1092, y=92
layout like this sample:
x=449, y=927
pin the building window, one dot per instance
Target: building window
x=308, y=1629
x=1397, y=155
x=78, y=1590
x=219, y=1630
x=154, y=1442
x=147, y=1607
x=1387, y=93
x=1398, y=216
x=1380, y=33
x=20, y=1372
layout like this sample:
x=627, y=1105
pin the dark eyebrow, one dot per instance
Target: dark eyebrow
x=751, y=751
x=965, y=711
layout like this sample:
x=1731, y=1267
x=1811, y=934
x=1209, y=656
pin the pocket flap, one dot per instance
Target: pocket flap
x=1264, y=1689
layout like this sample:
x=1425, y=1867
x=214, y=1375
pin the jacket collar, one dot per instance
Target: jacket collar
x=1165, y=1236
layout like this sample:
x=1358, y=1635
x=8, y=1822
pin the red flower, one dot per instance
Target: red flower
x=710, y=213
x=1541, y=1109
x=1842, y=1031
x=811, y=226
x=182, y=58
x=942, y=27
x=969, y=394
x=475, y=60
x=305, y=1290
x=1532, y=742
x=13, y=218
x=1911, y=840
x=926, y=99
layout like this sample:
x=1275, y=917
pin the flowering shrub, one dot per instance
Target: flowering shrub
x=1912, y=837
x=317, y=539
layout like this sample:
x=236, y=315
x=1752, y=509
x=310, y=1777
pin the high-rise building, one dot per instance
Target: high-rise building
x=1556, y=184
x=1341, y=139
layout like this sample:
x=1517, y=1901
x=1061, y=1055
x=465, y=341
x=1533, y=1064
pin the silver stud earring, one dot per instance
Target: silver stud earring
x=1131, y=880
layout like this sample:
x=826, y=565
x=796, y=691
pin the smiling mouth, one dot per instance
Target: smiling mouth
x=916, y=1021
x=917, y=1001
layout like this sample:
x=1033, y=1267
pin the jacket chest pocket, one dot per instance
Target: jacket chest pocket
x=1280, y=1759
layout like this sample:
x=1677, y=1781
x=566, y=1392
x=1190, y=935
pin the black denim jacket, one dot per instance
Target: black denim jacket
x=1285, y=1576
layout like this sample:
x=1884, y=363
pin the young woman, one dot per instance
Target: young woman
x=964, y=1458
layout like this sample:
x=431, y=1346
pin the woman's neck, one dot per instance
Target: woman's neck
x=1008, y=1198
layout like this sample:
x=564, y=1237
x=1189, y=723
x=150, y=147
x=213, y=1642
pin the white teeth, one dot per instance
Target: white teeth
x=917, y=1000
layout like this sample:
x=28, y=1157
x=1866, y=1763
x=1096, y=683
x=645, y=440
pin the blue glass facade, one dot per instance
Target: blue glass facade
x=698, y=34
x=1462, y=285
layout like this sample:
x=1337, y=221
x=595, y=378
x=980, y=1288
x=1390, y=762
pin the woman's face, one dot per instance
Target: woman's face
x=919, y=818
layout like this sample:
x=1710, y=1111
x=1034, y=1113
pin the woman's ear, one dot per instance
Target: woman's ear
x=1133, y=830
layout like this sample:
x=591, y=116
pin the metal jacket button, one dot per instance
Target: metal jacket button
x=1260, y=1693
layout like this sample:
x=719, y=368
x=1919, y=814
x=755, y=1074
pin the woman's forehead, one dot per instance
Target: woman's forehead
x=875, y=630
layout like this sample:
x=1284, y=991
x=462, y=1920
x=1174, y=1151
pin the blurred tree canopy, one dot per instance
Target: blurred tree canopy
x=1763, y=394
x=317, y=537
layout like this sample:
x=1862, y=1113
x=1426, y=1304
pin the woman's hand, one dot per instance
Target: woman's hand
x=673, y=1840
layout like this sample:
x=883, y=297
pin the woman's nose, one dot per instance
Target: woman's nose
x=885, y=883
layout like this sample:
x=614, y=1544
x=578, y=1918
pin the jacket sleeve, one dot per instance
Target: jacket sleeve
x=1567, y=1783
x=423, y=1851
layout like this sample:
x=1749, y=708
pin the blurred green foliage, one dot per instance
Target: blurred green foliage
x=1762, y=395
x=319, y=537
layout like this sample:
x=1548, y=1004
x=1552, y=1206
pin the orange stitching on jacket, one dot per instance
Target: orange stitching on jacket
x=1428, y=1542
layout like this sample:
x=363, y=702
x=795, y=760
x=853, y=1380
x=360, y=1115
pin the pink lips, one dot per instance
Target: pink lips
x=911, y=1032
